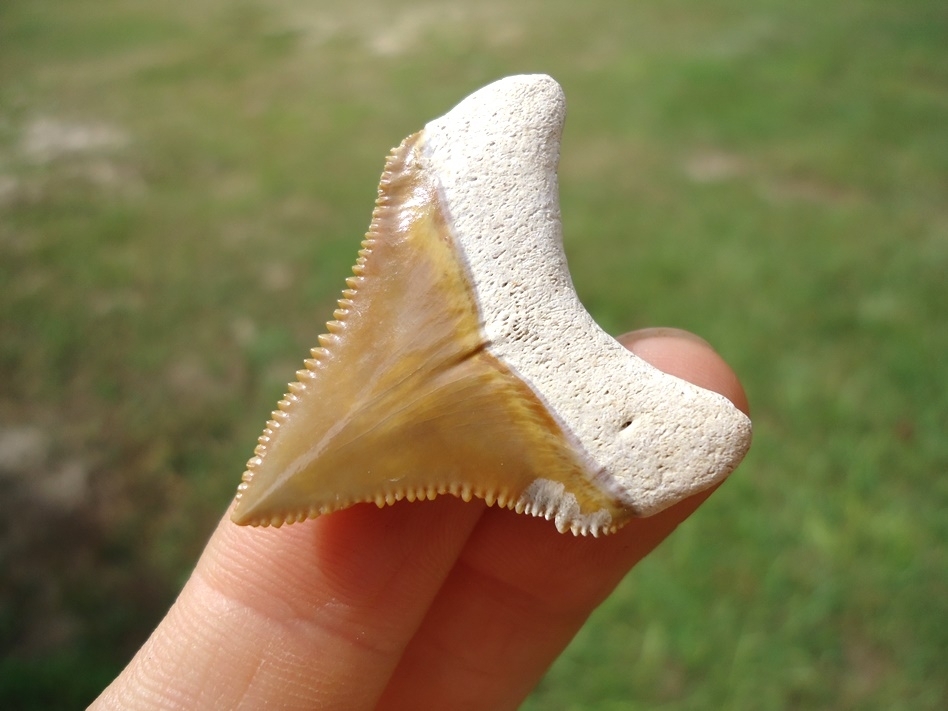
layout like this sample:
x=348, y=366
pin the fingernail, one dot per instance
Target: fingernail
x=643, y=334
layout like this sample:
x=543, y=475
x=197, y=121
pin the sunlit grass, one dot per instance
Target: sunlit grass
x=183, y=186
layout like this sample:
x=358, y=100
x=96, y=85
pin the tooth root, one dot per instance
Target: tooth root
x=461, y=361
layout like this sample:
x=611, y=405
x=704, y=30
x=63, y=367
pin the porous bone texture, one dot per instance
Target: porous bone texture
x=651, y=439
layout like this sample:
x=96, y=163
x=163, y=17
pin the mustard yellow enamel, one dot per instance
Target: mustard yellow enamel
x=403, y=400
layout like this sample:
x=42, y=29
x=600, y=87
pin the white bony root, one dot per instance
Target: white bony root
x=495, y=157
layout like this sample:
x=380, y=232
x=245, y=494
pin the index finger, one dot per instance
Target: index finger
x=427, y=599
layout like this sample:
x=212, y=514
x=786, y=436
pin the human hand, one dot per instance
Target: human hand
x=434, y=605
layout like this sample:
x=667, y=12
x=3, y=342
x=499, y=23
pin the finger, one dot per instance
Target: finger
x=315, y=615
x=689, y=357
x=520, y=590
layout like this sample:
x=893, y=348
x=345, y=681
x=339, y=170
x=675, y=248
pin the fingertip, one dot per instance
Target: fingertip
x=687, y=356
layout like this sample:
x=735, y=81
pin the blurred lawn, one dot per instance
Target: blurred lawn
x=183, y=186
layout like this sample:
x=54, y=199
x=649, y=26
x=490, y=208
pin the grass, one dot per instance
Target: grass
x=182, y=190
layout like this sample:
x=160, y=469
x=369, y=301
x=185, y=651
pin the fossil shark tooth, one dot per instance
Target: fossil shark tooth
x=461, y=361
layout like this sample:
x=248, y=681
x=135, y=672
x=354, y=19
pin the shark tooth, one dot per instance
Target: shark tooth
x=461, y=361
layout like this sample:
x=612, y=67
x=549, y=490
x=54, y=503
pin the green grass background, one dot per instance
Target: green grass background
x=183, y=186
